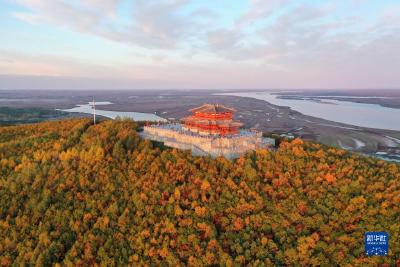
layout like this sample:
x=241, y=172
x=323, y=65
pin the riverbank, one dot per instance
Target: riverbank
x=254, y=113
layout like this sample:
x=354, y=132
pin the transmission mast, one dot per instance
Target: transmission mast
x=94, y=111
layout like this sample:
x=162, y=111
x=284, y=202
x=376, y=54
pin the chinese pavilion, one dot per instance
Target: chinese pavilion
x=212, y=119
x=209, y=130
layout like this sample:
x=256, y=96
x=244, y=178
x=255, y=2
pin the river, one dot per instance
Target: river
x=137, y=116
x=358, y=114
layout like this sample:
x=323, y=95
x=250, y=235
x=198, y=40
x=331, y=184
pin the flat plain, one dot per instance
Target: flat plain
x=258, y=114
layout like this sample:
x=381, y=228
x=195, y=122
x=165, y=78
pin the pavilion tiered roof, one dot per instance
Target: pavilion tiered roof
x=215, y=119
x=200, y=121
x=212, y=108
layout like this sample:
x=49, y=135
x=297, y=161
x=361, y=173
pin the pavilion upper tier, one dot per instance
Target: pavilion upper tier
x=212, y=119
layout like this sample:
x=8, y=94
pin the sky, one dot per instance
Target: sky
x=199, y=44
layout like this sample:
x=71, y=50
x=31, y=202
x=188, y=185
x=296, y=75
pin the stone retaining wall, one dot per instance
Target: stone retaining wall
x=229, y=146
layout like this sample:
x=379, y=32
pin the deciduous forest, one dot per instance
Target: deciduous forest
x=12, y=116
x=77, y=194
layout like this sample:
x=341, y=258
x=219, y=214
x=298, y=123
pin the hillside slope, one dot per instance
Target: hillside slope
x=77, y=194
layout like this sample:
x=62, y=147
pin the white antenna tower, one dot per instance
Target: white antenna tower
x=94, y=111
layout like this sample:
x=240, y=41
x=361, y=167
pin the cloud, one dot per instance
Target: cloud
x=296, y=28
x=390, y=16
x=161, y=22
x=152, y=24
x=159, y=58
x=222, y=39
x=29, y=18
x=205, y=13
x=259, y=9
x=12, y=62
x=311, y=45
x=268, y=41
x=82, y=16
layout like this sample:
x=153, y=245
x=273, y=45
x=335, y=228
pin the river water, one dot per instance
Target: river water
x=358, y=114
x=137, y=116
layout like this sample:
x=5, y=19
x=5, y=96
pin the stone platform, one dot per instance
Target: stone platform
x=230, y=146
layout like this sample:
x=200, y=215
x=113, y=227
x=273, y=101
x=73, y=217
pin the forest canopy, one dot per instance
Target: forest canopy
x=12, y=116
x=77, y=194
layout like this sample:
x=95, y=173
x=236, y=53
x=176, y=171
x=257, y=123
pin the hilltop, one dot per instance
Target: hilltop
x=79, y=194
